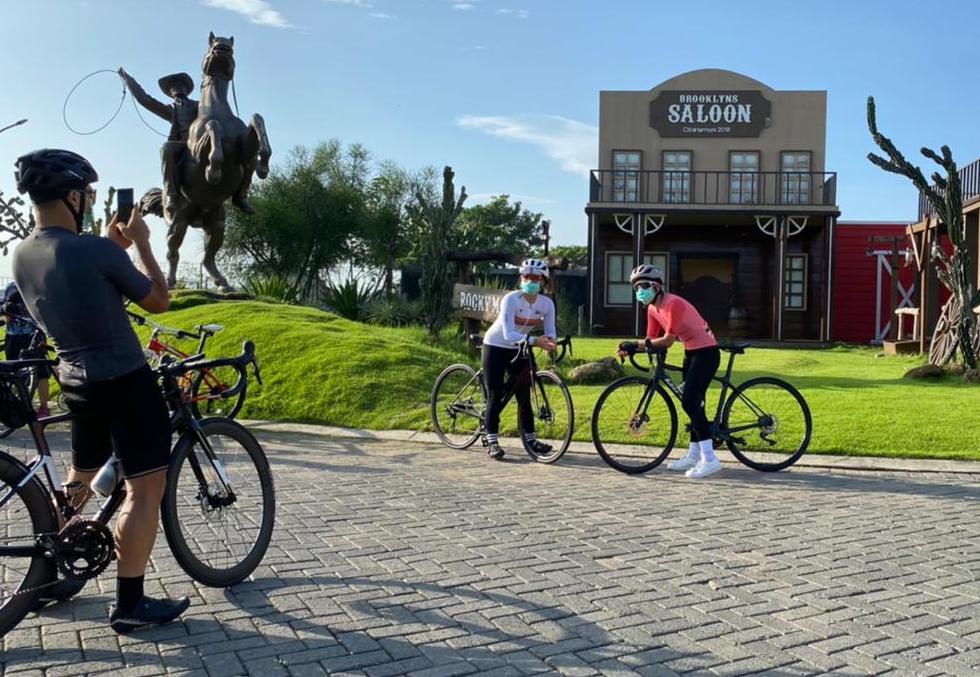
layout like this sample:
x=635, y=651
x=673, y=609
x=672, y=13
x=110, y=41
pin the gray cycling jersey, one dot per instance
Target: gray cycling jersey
x=74, y=285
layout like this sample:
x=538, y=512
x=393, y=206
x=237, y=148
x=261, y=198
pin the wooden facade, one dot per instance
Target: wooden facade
x=750, y=245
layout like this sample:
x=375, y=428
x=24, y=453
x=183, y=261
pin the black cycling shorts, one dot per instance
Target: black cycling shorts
x=127, y=415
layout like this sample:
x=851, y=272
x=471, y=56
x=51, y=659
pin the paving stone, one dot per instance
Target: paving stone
x=422, y=560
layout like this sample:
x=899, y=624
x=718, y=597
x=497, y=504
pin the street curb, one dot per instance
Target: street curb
x=865, y=463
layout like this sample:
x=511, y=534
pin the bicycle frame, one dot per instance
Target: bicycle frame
x=161, y=348
x=660, y=375
x=182, y=421
x=515, y=383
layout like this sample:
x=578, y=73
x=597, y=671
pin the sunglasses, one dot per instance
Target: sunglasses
x=534, y=278
x=643, y=285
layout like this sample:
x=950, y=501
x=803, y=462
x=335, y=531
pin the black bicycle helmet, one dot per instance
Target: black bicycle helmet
x=51, y=173
x=152, y=202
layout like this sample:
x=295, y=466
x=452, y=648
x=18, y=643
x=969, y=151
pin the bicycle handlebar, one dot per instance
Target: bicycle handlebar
x=197, y=363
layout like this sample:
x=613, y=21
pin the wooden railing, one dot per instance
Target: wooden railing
x=713, y=188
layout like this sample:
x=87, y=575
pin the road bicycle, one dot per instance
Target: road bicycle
x=459, y=403
x=218, y=510
x=210, y=392
x=764, y=422
x=38, y=348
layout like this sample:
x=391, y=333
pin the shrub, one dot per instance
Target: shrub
x=348, y=299
x=393, y=310
x=270, y=287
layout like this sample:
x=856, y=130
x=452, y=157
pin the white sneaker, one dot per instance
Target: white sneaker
x=704, y=468
x=685, y=463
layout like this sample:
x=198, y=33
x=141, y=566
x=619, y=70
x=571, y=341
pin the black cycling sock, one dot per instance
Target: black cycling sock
x=129, y=592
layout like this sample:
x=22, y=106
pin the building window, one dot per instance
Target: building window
x=794, y=282
x=619, y=265
x=626, y=175
x=677, y=176
x=795, y=177
x=744, y=172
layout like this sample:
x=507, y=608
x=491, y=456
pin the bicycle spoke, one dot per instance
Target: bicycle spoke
x=767, y=424
x=457, y=407
x=631, y=432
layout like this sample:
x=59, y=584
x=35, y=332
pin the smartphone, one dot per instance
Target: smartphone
x=124, y=204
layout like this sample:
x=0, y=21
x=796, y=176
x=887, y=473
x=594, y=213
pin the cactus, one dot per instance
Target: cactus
x=945, y=196
x=437, y=281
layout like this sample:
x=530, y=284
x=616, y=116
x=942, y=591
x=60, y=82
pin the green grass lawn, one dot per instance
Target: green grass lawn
x=319, y=368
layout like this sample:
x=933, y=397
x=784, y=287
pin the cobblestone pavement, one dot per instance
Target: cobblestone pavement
x=398, y=558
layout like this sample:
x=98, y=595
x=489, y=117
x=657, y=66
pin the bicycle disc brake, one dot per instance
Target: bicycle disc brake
x=638, y=424
x=85, y=549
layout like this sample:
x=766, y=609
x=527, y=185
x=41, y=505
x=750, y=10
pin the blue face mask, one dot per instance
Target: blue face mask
x=530, y=287
x=644, y=296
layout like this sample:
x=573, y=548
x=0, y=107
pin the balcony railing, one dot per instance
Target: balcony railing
x=969, y=185
x=714, y=188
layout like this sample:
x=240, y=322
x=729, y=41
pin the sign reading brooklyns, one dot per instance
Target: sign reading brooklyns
x=741, y=113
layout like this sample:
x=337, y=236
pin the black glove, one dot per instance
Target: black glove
x=628, y=347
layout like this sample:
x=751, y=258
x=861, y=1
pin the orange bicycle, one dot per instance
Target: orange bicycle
x=217, y=391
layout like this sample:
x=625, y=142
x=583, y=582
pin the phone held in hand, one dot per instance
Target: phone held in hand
x=124, y=204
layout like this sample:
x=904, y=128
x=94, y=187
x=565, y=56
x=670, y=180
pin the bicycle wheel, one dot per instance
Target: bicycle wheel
x=209, y=392
x=458, y=403
x=216, y=541
x=554, y=416
x=633, y=429
x=27, y=513
x=767, y=424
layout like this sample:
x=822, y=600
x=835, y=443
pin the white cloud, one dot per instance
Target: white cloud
x=382, y=15
x=462, y=6
x=574, y=145
x=355, y=3
x=519, y=13
x=256, y=11
x=479, y=46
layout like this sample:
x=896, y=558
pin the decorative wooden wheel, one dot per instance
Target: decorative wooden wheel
x=944, y=339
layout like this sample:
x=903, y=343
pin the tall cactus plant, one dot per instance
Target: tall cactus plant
x=945, y=195
x=437, y=281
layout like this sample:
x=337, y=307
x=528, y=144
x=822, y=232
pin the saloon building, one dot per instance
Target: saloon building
x=721, y=181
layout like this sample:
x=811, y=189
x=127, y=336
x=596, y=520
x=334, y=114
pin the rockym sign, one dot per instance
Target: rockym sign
x=743, y=113
x=476, y=302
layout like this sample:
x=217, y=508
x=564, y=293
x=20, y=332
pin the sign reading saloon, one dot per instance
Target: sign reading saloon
x=742, y=113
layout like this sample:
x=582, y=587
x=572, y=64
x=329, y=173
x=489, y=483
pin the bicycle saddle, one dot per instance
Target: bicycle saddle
x=475, y=339
x=210, y=328
x=736, y=348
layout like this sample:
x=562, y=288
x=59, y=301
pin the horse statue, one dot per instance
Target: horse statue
x=208, y=158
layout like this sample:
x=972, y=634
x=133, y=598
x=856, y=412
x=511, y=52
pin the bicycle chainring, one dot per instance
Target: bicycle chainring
x=85, y=549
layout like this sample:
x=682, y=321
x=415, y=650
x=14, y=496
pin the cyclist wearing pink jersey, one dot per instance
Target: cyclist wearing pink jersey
x=671, y=318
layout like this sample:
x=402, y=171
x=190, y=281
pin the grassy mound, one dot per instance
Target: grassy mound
x=319, y=368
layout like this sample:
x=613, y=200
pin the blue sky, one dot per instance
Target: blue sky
x=505, y=91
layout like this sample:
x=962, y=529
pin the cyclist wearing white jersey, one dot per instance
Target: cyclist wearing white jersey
x=520, y=312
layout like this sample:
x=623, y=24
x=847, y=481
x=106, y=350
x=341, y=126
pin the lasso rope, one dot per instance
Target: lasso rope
x=64, y=108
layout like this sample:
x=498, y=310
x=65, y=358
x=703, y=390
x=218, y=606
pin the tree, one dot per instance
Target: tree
x=577, y=255
x=385, y=237
x=307, y=214
x=437, y=222
x=499, y=225
x=13, y=225
x=946, y=197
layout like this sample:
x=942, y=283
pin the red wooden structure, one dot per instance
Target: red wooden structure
x=864, y=294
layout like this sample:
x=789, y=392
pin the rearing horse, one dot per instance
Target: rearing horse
x=222, y=154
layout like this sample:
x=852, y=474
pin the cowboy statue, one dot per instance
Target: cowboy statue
x=209, y=156
x=180, y=114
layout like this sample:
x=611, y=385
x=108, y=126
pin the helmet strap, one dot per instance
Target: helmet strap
x=78, y=215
